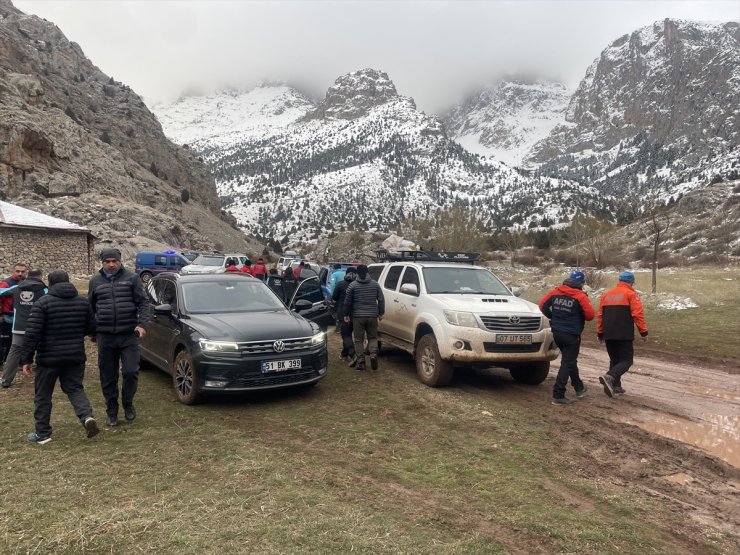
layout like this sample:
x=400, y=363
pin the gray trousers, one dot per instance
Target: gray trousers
x=13, y=360
x=70, y=379
x=360, y=327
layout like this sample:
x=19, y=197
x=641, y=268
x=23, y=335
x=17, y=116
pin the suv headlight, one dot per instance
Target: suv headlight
x=465, y=319
x=218, y=346
x=319, y=338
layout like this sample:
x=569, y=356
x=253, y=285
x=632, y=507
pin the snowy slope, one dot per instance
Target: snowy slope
x=504, y=121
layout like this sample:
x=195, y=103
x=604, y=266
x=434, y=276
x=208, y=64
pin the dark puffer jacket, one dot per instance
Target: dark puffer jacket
x=57, y=327
x=364, y=299
x=119, y=302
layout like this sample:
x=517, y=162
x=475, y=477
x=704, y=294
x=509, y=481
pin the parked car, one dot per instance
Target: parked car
x=325, y=276
x=149, y=264
x=228, y=333
x=213, y=263
x=285, y=260
x=450, y=314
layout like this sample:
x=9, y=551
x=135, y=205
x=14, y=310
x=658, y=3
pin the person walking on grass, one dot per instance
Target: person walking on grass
x=568, y=308
x=55, y=332
x=338, y=296
x=620, y=310
x=364, y=305
x=24, y=295
x=121, y=313
x=20, y=272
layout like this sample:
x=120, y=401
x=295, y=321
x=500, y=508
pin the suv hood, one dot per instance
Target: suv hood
x=251, y=326
x=483, y=304
x=198, y=269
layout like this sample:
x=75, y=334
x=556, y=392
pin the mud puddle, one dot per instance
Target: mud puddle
x=717, y=434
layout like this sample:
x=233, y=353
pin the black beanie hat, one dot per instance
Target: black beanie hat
x=110, y=253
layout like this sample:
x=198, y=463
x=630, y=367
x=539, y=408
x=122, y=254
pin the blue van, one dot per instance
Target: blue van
x=150, y=264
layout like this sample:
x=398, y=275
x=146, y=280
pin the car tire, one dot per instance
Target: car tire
x=431, y=369
x=146, y=277
x=530, y=374
x=184, y=378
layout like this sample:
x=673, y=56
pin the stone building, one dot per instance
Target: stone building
x=43, y=242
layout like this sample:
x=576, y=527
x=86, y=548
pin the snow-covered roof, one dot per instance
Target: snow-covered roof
x=11, y=214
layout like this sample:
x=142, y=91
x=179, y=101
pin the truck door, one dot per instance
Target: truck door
x=390, y=284
x=407, y=305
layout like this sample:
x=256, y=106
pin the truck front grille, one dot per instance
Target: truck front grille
x=511, y=323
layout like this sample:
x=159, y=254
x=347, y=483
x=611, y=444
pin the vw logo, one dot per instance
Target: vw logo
x=279, y=346
x=514, y=320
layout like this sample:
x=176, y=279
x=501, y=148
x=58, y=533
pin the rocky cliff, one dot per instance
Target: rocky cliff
x=77, y=144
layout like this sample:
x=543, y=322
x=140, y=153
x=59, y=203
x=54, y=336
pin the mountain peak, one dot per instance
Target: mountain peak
x=354, y=94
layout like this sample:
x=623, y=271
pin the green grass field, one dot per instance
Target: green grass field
x=366, y=463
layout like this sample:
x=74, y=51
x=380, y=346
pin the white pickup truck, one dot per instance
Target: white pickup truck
x=448, y=314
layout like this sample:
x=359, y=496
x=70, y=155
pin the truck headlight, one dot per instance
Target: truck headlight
x=218, y=346
x=465, y=319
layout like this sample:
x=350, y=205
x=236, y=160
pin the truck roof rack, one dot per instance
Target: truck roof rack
x=384, y=255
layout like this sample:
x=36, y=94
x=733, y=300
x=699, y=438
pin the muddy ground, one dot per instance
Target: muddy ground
x=674, y=436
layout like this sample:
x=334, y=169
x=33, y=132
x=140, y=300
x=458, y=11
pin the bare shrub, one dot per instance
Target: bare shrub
x=594, y=278
x=567, y=257
x=527, y=259
x=547, y=267
x=710, y=259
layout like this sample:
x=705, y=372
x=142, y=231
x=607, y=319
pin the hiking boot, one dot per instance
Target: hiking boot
x=91, y=426
x=111, y=421
x=618, y=390
x=562, y=401
x=355, y=360
x=581, y=393
x=374, y=362
x=608, y=382
x=5, y=384
x=33, y=437
x=361, y=367
x=129, y=413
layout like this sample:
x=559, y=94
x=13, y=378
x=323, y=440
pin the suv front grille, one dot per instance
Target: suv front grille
x=256, y=347
x=277, y=378
x=511, y=323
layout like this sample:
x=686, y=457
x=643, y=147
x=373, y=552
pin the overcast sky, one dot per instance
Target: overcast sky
x=433, y=51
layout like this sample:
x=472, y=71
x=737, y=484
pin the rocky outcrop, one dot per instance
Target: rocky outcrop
x=76, y=144
x=658, y=107
x=353, y=95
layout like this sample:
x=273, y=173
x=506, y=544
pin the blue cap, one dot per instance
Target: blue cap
x=627, y=277
x=578, y=276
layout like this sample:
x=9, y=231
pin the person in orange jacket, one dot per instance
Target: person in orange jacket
x=568, y=308
x=620, y=310
x=231, y=265
x=247, y=268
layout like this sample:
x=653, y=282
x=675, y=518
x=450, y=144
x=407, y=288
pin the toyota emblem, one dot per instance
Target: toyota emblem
x=514, y=319
x=279, y=346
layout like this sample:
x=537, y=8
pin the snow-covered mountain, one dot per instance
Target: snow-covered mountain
x=505, y=120
x=232, y=114
x=364, y=158
x=657, y=114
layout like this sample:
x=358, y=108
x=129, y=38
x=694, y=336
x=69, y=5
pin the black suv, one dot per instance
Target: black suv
x=230, y=333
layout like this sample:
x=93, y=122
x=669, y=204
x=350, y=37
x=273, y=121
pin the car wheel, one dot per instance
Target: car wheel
x=431, y=369
x=184, y=378
x=146, y=277
x=531, y=374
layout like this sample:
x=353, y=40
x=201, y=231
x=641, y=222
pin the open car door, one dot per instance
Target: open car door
x=308, y=301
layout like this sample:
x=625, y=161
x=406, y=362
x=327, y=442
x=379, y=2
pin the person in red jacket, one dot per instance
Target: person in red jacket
x=231, y=265
x=259, y=270
x=568, y=308
x=247, y=268
x=297, y=269
x=620, y=310
x=20, y=272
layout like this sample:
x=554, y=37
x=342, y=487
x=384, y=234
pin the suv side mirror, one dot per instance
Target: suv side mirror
x=410, y=289
x=516, y=291
x=302, y=304
x=163, y=309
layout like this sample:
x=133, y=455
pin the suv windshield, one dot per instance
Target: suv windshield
x=463, y=281
x=209, y=260
x=229, y=296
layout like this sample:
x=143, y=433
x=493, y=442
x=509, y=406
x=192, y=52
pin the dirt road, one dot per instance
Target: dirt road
x=675, y=435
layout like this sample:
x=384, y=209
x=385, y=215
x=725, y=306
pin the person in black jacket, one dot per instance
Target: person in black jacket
x=121, y=315
x=55, y=331
x=24, y=295
x=338, y=297
x=365, y=306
